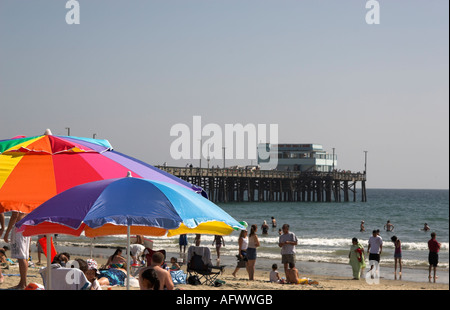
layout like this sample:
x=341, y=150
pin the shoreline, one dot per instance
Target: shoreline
x=330, y=276
x=413, y=274
x=261, y=283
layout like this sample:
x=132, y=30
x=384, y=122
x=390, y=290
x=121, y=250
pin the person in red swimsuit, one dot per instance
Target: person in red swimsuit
x=433, y=257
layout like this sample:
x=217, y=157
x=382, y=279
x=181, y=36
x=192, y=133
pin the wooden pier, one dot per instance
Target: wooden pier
x=238, y=185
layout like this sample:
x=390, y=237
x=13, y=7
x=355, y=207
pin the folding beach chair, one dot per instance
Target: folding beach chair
x=149, y=253
x=65, y=278
x=199, y=264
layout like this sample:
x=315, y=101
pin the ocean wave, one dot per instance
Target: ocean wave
x=422, y=246
x=386, y=262
x=267, y=243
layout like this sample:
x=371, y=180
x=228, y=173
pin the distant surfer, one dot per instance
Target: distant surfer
x=361, y=227
x=426, y=227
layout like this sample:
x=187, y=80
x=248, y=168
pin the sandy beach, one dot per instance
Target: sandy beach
x=241, y=282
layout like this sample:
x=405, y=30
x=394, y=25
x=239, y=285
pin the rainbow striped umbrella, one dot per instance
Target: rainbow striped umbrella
x=109, y=207
x=126, y=206
x=34, y=169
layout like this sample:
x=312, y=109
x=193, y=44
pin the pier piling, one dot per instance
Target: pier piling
x=238, y=185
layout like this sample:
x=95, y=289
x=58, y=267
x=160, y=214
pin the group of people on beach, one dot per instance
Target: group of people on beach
x=112, y=273
x=375, y=248
x=247, y=252
x=156, y=277
x=151, y=277
x=248, y=244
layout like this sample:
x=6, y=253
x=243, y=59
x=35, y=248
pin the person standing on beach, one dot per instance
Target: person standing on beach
x=356, y=257
x=20, y=247
x=375, y=248
x=219, y=241
x=433, y=256
x=139, y=239
x=253, y=243
x=136, y=251
x=2, y=224
x=287, y=242
x=182, y=241
x=39, y=249
x=2, y=229
x=3, y=262
x=197, y=239
x=242, y=256
x=397, y=256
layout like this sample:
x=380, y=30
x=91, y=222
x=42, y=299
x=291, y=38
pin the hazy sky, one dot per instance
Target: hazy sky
x=132, y=69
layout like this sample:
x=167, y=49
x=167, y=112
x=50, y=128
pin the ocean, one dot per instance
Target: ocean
x=324, y=232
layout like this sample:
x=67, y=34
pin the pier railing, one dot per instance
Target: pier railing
x=256, y=173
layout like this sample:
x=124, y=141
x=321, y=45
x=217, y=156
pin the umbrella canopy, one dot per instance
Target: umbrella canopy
x=126, y=206
x=108, y=207
x=34, y=169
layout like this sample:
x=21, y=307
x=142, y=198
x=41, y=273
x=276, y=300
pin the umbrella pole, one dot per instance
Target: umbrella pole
x=49, y=261
x=92, y=240
x=128, y=257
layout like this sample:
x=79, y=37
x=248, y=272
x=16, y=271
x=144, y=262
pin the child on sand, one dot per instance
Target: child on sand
x=293, y=277
x=274, y=275
x=175, y=266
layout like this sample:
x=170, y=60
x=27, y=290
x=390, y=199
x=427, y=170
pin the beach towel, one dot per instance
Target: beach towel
x=178, y=277
x=360, y=252
x=308, y=281
x=34, y=287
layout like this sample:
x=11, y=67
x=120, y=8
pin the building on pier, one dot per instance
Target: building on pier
x=308, y=157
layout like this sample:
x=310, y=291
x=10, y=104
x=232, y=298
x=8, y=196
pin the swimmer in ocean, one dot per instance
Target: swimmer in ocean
x=389, y=226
